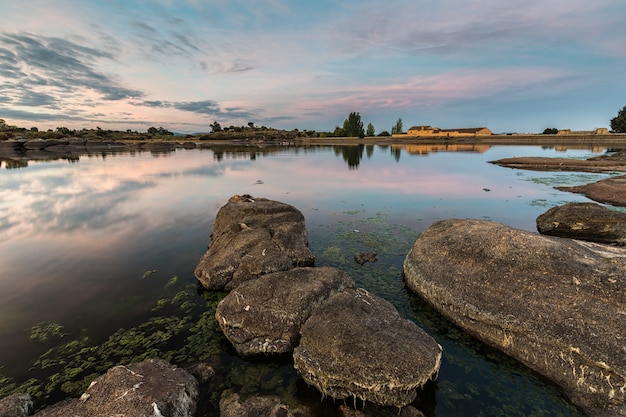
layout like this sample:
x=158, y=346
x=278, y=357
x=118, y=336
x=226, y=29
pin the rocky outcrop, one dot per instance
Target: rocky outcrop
x=16, y=405
x=557, y=305
x=584, y=221
x=252, y=237
x=356, y=344
x=611, y=190
x=149, y=388
x=603, y=163
x=264, y=315
x=231, y=405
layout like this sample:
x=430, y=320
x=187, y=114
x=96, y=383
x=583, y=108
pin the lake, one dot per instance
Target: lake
x=98, y=254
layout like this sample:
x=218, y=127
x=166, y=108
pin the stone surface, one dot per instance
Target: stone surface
x=357, y=345
x=231, y=405
x=557, y=305
x=603, y=163
x=264, y=315
x=584, y=221
x=362, y=257
x=373, y=410
x=16, y=405
x=252, y=237
x=152, y=388
x=611, y=190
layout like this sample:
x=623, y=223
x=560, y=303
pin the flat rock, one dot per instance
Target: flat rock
x=264, y=315
x=16, y=405
x=610, y=190
x=357, y=345
x=584, y=221
x=231, y=405
x=557, y=305
x=603, y=163
x=150, y=388
x=252, y=237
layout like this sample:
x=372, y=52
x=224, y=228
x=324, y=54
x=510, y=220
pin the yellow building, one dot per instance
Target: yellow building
x=428, y=131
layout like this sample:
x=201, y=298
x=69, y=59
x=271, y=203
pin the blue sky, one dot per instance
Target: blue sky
x=513, y=66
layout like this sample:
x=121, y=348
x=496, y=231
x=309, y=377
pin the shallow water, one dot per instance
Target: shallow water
x=98, y=255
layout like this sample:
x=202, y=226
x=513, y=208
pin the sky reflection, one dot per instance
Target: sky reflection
x=75, y=238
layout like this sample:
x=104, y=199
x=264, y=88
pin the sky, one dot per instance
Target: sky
x=512, y=66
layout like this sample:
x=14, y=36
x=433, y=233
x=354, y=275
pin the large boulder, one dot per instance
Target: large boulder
x=252, y=237
x=149, y=388
x=557, y=305
x=357, y=345
x=16, y=405
x=584, y=221
x=611, y=190
x=264, y=315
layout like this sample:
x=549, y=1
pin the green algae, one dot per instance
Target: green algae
x=181, y=329
x=46, y=330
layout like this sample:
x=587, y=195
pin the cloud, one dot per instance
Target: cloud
x=202, y=107
x=58, y=63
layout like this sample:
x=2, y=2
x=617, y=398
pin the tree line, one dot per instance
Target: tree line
x=353, y=127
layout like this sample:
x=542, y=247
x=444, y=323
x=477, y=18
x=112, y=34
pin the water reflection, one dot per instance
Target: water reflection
x=76, y=238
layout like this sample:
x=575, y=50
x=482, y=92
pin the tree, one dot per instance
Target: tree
x=384, y=133
x=250, y=125
x=618, y=123
x=370, y=130
x=551, y=131
x=353, y=126
x=397, y=128
x=215, y=127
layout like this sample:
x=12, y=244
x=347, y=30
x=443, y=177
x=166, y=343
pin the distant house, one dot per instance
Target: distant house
x=429, y=131
x=598, y=131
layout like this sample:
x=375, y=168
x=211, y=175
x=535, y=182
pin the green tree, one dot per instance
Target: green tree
x=384, y=133
x=370, y=130
x=215, y=127
x=353, y=125
x=618, y=123
x=551, y=131
x=397, y=128
x=338, y=132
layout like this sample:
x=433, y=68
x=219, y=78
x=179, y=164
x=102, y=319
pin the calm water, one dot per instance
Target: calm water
x=98, y=257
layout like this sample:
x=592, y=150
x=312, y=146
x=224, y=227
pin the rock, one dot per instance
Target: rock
x=264, y=315
x=357, y=345
x=373, y=410
x=584, y=221
x=150, y=388
x=363, y=257
x=604, y=163
x=203, y=372
x=557, y=305
x=252, y=237
x=611, y=190
x=16, y=405
x=270, y=406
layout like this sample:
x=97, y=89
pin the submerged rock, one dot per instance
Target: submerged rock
x=373, y=410
x=362, y=257
x=264, y=315
x=16, y=405
x=584, y=221
x=357, y=345
x=611, y=190
x=252, y=237
x=557, y=305
x=149, y=388
x=231, y=405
